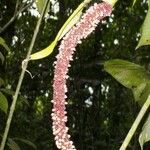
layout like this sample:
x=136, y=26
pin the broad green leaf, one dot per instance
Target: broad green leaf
x=2, y=57
x=145, y=31
x=141, y=92
x=128, y=74
x=3, y=103
x=71, y=21
x=26, y=142
x=3, y=43
x=131, y=76
x=12, y=144
x=145, y=134
x=40, y=5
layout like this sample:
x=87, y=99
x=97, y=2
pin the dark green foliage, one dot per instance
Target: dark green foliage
x=98, y=120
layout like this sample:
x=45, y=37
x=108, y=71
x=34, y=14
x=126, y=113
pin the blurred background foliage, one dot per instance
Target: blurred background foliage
x=100, y=110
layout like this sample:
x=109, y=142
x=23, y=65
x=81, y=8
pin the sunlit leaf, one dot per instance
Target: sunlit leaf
x=71, y=21
x=40, y=5
x=145, y=134
x=2, y=57
x=45, y=52
x=141, y=92
x=12, y=144
x=68, y=26
x=111, y=2
x=26, y=142
x=3, y=43
x=128, y=74
x=131, y=76
x=145, y=31
x=3, y=103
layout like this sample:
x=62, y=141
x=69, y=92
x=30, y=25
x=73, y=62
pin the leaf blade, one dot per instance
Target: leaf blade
x=2, y=57
x=130, y=75
x=26, y=142
x=12, y=144
x=71, y=21
x=3, y=43
x=3, y=103
x=145, y=31
x=40, y=5
x=145, y=134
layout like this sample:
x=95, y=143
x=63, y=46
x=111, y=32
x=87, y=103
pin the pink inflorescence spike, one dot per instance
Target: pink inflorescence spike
x=80, y=31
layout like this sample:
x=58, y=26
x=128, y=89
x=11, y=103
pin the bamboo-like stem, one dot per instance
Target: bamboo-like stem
x=135, y=124
x=12, y=108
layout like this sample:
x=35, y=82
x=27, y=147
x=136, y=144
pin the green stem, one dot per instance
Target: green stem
x=12, y=108
x=135, y=124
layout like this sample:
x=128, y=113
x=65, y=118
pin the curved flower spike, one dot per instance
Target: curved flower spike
x=80, y=31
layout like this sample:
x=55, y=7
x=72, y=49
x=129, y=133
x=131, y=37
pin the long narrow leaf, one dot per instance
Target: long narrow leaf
x=3, y=43
x=72, y=20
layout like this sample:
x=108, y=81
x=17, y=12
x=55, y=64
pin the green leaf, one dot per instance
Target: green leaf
x=145, y=31
x=23, y=101
x=134, y=1
x=3, y=103
x=71, y=21
x=2, y=57
x=40, y=5
x=111, y=2
x=12, y=144
x=3, y=43
x=44, y=53
x=131, y=76
x=128, y=74
x=145, y=134
x=26, y=142
x=8, y=91
x=1, y=82
x=141, y=92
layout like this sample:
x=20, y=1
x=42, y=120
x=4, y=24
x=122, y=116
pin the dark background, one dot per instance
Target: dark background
x=101, y=124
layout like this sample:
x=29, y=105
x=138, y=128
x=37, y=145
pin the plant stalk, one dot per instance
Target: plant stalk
x=135, y=124
x=12, y=107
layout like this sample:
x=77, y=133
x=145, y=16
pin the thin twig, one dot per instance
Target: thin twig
x=14, y=17
x=135, y=124
x=12, y=108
